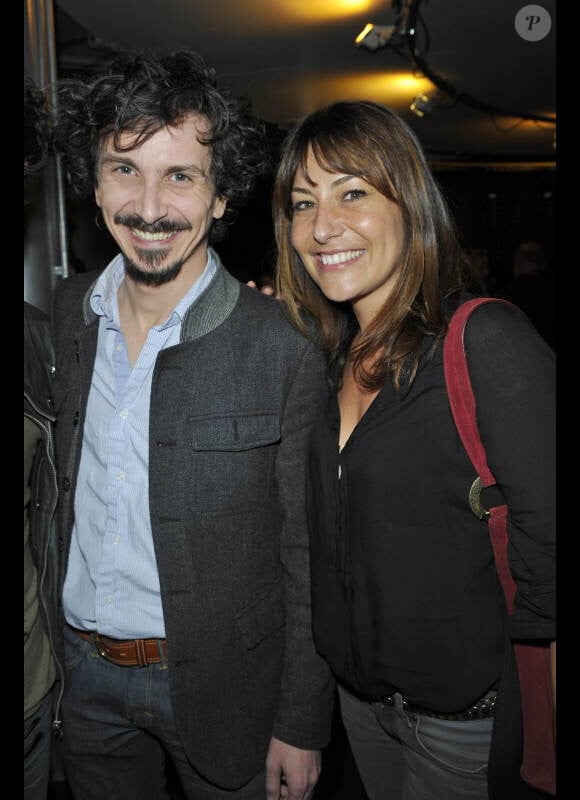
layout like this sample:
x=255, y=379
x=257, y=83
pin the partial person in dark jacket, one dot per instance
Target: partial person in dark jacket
x=184, y=408
x=407, y=607
x=40, y=554
x=41, y=557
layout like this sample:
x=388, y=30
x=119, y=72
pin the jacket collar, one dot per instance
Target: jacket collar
x=206, y=313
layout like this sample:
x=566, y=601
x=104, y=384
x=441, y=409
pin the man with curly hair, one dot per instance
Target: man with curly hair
x=184, y=401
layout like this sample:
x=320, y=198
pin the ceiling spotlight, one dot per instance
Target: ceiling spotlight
x=425, y=103
x=373, y=37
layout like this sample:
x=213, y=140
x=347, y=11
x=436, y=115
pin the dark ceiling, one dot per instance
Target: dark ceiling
x=291, y=56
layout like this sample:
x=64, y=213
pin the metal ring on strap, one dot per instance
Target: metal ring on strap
x=474, y=499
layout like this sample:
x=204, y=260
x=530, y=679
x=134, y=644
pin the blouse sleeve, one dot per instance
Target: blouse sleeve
x=513, y=374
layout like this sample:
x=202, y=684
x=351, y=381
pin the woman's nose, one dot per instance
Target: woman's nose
x=326, y=224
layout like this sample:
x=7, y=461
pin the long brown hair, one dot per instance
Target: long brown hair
x=369, y=140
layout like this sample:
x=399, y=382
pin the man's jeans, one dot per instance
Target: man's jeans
x=118, y=727
x=407, y=756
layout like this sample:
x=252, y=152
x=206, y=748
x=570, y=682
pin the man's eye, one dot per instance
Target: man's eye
x=180, y=177
x=124, y=169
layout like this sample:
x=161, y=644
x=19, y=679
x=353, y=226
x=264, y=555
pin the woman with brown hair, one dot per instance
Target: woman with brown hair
x=406, y=604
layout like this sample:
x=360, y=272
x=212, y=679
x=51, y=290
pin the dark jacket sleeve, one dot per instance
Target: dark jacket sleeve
x=513, y=374
x=304, y=713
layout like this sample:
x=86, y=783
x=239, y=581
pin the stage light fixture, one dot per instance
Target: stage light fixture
x=425, y=103
x=373, y=37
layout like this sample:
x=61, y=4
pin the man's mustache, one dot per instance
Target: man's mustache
x=160, y=226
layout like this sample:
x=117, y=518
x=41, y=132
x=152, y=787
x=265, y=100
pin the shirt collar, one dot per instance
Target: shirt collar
x=103, y=300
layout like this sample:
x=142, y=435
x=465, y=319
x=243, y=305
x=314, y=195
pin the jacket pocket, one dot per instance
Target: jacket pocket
x=232, y=460
x=264, y=617
x=234, y=431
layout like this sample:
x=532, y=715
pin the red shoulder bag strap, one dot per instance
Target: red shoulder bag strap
x=533, y=661
x=462, y=402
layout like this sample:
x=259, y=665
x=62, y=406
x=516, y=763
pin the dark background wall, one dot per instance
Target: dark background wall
x=498, y=209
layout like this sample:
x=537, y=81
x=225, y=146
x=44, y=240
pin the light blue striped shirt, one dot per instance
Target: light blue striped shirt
x=112, y=583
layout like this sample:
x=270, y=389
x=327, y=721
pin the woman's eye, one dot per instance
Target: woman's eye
x=123, y=169
x=354, y=194
x=302, y=205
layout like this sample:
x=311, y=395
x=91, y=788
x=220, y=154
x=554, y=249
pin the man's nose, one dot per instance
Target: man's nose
x=149, y=202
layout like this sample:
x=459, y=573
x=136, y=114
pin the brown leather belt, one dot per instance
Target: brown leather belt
x=126, y=652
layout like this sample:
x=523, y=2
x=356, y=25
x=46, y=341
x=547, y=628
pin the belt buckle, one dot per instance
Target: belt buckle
x=99, y=647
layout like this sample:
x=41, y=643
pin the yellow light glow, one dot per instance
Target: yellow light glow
x=326, y=9
x=260, y=15
x=392, y=88
x=301, y=95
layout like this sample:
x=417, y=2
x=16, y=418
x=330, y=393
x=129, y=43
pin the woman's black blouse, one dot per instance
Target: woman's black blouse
x=405, y=594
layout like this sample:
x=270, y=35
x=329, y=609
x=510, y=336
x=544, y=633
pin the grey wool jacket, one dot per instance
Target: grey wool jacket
x=230, y=414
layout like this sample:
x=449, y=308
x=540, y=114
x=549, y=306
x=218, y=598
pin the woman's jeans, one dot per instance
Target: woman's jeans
x=118, y=727
x=406, y=756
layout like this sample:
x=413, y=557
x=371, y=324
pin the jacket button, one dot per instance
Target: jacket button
x=66, y=484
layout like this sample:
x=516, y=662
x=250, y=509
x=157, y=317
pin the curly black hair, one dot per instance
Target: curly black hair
x=144, y=92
